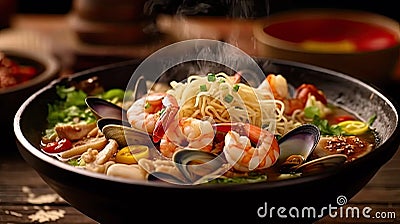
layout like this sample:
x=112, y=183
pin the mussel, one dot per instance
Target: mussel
x=188, y=166
x=112, y=119
x=102, y=108
x=199, y=166
x=105, y=109
x=106, y=121
x=297, y=145
x=126, y=135
x=297, y=148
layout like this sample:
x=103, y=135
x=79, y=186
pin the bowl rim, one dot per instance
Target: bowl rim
x=31, y=149
x=346, y=14
x=51, y=68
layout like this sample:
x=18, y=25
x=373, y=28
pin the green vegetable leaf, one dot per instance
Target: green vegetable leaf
x=113, y=93
x=76, y=98
x=311, y=111
x=70, y=109
x=325, y=128
x=251, y=178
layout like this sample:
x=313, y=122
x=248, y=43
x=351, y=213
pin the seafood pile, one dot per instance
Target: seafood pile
x=149, y=138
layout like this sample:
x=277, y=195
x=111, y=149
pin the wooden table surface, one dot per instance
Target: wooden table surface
x=26, y=198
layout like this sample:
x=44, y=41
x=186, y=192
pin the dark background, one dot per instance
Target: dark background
x=227, y=7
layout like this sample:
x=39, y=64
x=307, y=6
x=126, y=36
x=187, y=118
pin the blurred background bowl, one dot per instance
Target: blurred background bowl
x=110, y=22
x=11, y=98
x=362, y=44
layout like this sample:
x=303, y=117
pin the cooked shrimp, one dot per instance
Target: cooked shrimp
x=144, y=112
x=280, y=90
x=278, y=86
x=242, y=155
x=187, y=133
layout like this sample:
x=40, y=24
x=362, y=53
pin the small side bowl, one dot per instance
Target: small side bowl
x=12, y=97
x=362, y=44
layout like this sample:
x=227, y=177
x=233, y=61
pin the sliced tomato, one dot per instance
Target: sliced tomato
x=58, y=146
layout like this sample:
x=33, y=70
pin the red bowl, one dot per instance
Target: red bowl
x=361, y=44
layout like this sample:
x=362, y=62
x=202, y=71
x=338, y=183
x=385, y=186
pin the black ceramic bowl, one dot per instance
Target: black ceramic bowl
x=112, y=200
x=11, y=98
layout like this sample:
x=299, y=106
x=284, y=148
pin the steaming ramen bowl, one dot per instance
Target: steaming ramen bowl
x=362, y=44
x=109, y=199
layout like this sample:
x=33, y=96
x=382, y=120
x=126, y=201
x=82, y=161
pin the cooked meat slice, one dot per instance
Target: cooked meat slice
x=74, y=132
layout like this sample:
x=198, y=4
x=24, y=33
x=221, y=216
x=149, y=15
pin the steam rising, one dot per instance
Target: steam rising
x=204, y=56
x=228, y=8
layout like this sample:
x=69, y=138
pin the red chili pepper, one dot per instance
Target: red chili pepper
x=58, y=146
x=341, y=118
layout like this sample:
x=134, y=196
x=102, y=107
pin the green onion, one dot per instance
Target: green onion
x=203, y=88
x=235, y=87
x=371, y=120
x=147, y=105
x=161, y=111
x=228, y=98
x=211, y=77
